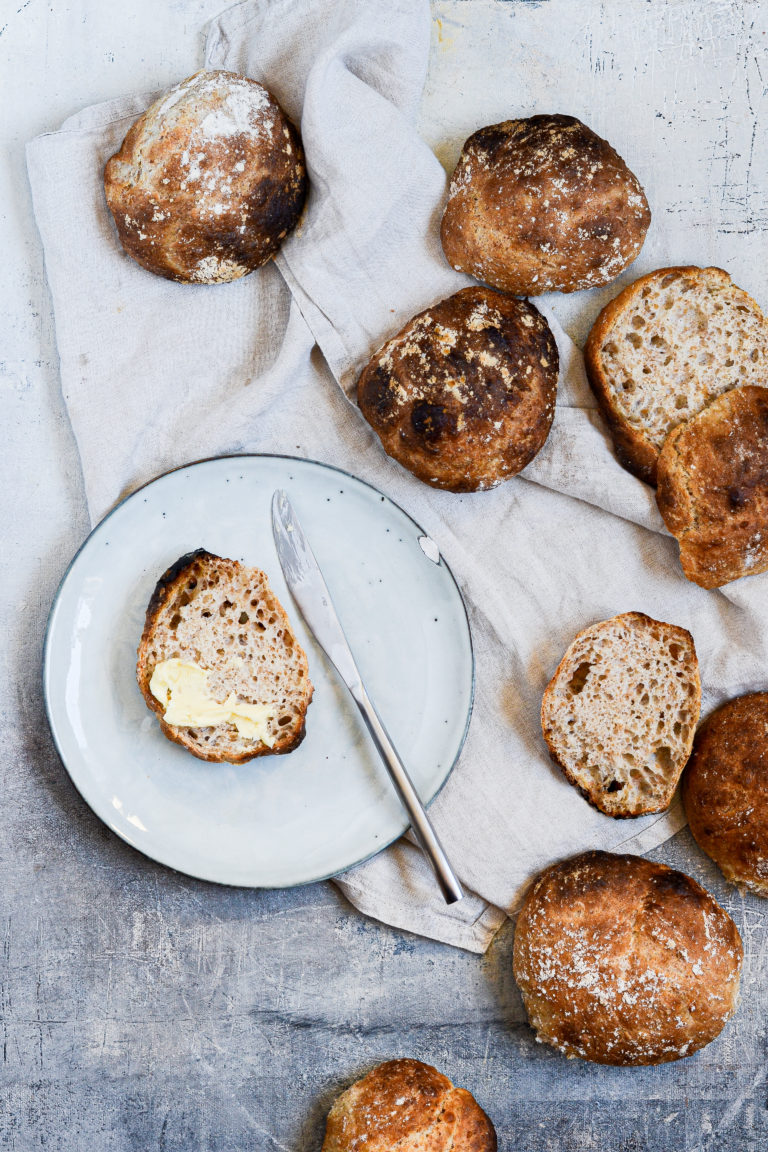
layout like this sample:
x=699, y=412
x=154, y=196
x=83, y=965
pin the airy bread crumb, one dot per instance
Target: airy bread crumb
x=620, y=712
x=664, y=348
x=224, y=617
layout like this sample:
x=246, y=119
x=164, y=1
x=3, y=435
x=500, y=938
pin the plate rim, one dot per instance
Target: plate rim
x=45, y=668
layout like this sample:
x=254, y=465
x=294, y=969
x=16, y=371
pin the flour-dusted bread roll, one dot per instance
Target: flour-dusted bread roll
x=623, y=961
x=464, y=395
x=620, y=712
x=713, y=488
x=411, y=1107
x=209, y=181
x=664, y=349
x=725, y=790
x=542, y=205
x=219, y=662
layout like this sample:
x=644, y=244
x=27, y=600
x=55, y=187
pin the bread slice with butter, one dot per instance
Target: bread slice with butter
x=220, y=664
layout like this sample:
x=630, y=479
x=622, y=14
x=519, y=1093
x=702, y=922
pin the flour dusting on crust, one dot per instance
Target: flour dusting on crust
x=542, y=204
x=624, y=961
x=209, y=181
x=464, y=395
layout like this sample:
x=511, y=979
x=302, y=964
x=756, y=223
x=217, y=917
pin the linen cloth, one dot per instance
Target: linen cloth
x=156, y=374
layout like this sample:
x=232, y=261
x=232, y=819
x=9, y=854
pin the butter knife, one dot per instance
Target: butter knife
x=309, y=590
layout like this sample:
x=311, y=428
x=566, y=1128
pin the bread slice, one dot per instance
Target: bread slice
x=664, y=348
x=713, y=488
x=224, y=618
x=620, y=712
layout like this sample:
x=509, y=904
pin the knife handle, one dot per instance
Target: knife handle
x=420, y=822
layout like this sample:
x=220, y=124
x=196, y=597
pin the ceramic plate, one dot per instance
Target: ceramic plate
x=278, y=820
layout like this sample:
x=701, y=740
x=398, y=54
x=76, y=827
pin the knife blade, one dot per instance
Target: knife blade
x=308, y=588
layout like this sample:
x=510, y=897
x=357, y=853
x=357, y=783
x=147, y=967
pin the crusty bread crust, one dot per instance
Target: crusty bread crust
x=202, y=599
x=624, y=961
x=542, y=205
x=410, y=1106
x=725, y=790
x=620, y=713
x=697, y=336
x=208, y=181
x=713, y=488
x=464, y=395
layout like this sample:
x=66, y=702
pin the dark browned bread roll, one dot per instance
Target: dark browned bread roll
x=542, y=205
x=725, y=790
x=209, y=181
x=713, y=488
x=464, y=395
x=623, y=961
x=410, y=1106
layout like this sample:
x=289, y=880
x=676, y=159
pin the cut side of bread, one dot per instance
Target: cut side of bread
x=620, y=713
x=223, y=617
x=713, y=488
x=664, y=349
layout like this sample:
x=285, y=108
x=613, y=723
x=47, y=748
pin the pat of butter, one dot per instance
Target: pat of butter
x=182, y=689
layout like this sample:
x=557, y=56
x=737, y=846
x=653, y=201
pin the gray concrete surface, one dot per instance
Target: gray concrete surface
x=143, y=1010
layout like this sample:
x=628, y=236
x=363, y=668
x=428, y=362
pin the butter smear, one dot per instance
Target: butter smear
x=182, y=688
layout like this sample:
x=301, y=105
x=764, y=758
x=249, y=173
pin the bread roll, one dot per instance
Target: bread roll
x=623, y=961
x=542, y=205
x=464, y=395
x=713, y=488
x=725, y=790
x=218, y=625
x=620, y=712
x=408, y=1106
x=209, y=181
x=664, y=349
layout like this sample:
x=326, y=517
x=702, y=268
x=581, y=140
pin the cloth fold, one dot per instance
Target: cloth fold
x=156, y=374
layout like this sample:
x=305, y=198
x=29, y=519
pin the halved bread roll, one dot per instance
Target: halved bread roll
x=219, y=662
x=620, y=712
x=725, y=790
x=713, y=488
x=664, y=348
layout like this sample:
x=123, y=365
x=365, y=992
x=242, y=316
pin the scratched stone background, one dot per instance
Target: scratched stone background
x=144, y=1010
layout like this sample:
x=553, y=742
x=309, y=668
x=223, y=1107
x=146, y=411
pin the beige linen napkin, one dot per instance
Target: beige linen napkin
x=156, y=374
